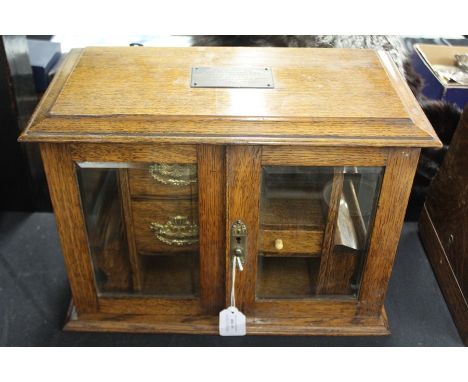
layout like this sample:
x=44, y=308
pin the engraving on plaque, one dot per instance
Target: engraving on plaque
x=232, y=77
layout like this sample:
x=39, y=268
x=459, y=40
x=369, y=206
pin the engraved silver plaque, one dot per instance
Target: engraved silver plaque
x=232, y=77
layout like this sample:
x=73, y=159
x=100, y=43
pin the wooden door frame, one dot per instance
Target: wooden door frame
x=232, y=194
x=244, y=165
x=60, y=164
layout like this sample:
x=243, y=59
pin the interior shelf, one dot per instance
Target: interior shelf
x=171, y=276
x=285, y=213
x=285, y=278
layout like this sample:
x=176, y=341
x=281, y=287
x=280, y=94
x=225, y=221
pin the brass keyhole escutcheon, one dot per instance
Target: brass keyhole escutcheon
x=239, y=240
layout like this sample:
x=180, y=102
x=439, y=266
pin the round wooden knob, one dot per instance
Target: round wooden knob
x=279, y=244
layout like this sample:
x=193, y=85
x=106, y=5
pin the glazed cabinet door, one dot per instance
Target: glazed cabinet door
x=150, y=215
x=309, y=215
x=314, y=230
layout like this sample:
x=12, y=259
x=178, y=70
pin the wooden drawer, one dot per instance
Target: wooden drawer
x=294, y=242
x=142, y=183
x=160, y=212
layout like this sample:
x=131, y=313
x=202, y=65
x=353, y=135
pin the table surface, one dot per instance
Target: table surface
x=34, y=297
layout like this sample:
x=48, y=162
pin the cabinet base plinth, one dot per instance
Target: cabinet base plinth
x=137, y=323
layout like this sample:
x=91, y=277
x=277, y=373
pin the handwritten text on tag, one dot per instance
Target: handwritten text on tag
x=232, y=322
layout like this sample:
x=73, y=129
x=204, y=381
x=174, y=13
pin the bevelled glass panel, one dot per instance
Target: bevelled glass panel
x=142, y=226
x=315, y=224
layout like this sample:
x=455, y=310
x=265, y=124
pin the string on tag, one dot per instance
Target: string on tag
x=236, y=262
x=233, y=322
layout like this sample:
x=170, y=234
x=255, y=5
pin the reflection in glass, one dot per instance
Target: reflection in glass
x=314, y=228
x=142, y=224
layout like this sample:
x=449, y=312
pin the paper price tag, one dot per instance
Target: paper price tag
x=232, y=322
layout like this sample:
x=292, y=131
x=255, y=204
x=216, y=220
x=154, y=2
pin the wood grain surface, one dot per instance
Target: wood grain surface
x=134, y=258
x=66, y=201
x=294, y=241
x=212, y=222
x=142, y=184
x=156, y=81
x=243, y=202
x=394, y=194
x=323, y=156
x=443, y=226
x=291, y=213
x=326, y=268
x=447, y=277
x=159, y=211
x=155, y=153
x=319, y=323
x=321, y=96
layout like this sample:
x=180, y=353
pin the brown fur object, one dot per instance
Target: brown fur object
x=444, y=118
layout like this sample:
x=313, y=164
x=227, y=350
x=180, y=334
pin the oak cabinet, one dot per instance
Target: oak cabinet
x=163, y=163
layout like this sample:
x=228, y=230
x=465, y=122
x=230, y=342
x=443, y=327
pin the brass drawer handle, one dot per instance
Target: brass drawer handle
x=174, y=174
x=177, y=231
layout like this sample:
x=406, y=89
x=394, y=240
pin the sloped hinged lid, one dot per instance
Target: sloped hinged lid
x=317, y=97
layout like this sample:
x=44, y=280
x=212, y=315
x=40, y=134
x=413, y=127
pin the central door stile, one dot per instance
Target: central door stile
x=212, y=217
x=243, y=177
